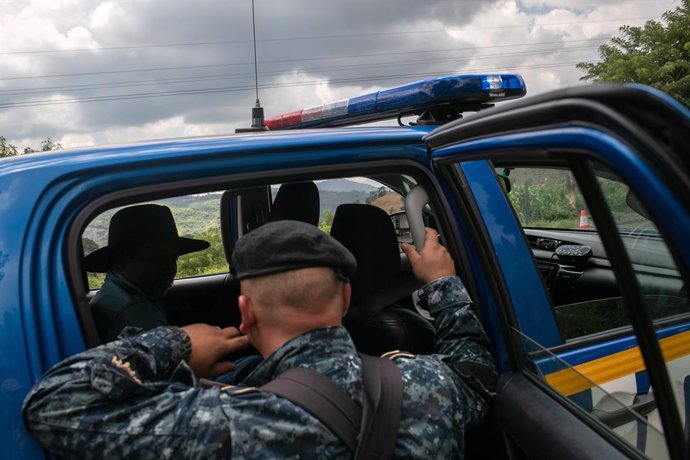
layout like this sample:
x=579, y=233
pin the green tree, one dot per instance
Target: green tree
x=47, y=145
x=9, y=150
x=6, y=149
x=657, y=55
x=208, y=261
x=326, y=221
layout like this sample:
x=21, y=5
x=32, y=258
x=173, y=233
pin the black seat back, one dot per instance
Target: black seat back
x=381, y=317
x=296, y=201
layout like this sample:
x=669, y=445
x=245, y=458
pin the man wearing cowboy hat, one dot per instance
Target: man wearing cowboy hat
x=141, y=262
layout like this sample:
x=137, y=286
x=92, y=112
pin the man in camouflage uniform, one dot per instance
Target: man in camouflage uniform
x=139, y=397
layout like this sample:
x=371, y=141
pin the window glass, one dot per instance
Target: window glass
x=334, y=192
x=600, y=367
x=663, y=291
x=584, y=292
x=196, y=216
x=621, y=403
x=544, y=197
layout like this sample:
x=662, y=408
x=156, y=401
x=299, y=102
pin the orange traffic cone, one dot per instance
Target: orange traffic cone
x=584, y=221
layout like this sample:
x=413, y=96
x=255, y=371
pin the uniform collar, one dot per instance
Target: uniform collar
x=316, y=349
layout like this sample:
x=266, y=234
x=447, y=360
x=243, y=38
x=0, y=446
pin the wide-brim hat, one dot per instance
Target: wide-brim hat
x=137, y=225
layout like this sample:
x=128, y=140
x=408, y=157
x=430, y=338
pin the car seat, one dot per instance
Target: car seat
x=381, y=316
x=296, y=201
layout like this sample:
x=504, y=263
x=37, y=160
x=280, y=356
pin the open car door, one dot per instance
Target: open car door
x=574, y=210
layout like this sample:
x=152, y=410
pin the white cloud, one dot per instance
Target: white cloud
x=75, y=140
x=106, y=14
x=291, y=98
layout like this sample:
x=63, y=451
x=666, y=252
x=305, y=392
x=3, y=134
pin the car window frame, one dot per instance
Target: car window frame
x=126, y=196
x=668, y=405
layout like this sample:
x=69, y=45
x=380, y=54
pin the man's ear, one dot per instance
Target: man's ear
x=347, y=296
x=246, y=313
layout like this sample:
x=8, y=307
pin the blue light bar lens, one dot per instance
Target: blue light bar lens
x=460, y=90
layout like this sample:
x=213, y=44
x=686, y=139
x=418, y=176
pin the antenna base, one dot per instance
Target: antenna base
x=257, y=121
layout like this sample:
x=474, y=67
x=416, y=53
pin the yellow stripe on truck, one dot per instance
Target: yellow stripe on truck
x=599, y=371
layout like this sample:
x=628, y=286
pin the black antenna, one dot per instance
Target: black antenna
x=256, y=69
x=257, y=110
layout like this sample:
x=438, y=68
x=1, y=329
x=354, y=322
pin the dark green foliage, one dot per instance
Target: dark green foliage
x=548, y=204
x=657, y=55
x=556, y=203
x=211, y=260
x=326, y=221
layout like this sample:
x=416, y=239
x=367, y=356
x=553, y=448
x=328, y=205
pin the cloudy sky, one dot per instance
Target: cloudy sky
x=88, y=72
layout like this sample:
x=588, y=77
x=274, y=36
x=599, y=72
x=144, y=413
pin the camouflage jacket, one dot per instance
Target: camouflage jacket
x=137, y=398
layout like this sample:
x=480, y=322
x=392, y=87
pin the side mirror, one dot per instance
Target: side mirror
x=504, y=181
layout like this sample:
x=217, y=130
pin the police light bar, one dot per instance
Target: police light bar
x=462, y=92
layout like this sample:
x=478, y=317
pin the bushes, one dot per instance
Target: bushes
x=208, y=261
x=556, y=203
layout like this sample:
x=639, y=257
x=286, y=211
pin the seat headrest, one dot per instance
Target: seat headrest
x=297, y=201
x=368, y=233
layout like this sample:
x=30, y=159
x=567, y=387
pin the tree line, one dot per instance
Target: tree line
x=9, y=150
x=657, y=55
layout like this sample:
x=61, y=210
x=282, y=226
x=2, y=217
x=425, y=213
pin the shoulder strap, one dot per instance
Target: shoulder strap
x=382, y=408
x=370, y=432
x=322, y=398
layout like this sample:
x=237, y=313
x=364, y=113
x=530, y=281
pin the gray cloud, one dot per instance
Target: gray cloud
x=221, y=74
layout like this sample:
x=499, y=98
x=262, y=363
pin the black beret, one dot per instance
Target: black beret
x=287, y=245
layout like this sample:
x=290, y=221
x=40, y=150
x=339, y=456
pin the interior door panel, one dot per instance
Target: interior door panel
x=536, y=426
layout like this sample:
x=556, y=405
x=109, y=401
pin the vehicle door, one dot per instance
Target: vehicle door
x=590, y=317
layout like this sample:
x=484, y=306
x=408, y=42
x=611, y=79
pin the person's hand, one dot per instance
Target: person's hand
x=433, y=262
x=210, y=345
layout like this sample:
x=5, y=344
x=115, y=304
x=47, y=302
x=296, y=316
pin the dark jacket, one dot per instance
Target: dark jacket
x=119, y=303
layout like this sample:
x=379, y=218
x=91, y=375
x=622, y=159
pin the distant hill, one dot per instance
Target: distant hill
x=331, y=200
x=390, y=202
x=194, y=214
x=344, y=185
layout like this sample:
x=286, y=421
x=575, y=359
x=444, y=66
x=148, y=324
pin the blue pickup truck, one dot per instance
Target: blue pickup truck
x=567, y=214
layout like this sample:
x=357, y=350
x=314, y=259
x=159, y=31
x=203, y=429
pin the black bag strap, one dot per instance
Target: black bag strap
x=382, y=408
x=322, y=398
x=369, y=433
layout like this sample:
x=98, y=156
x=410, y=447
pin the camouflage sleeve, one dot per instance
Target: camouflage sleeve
x=129, y=398
x=460, y=338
